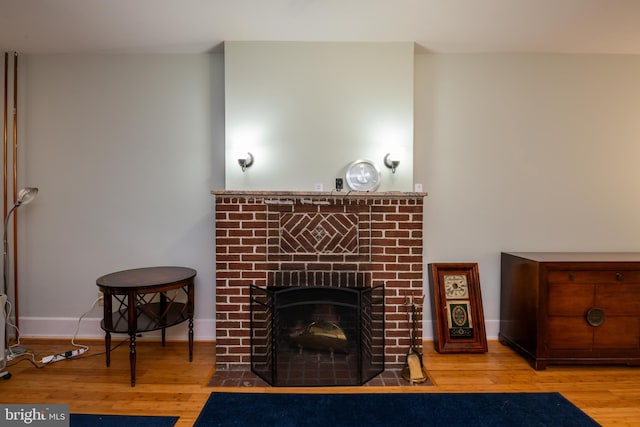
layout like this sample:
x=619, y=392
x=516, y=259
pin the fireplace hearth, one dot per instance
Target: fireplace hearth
x=317, y=336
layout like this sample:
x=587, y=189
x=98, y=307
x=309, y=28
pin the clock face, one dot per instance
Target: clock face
x=455, y=286
x=363, y=175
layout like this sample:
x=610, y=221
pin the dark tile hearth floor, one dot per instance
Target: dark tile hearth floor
x=243, y=377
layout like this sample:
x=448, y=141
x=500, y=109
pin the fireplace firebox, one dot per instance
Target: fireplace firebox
x=317, y=335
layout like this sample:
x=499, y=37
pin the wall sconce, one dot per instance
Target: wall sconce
x=246, y=162
x=391, y=164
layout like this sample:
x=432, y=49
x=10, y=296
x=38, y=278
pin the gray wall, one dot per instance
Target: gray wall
x=516, y=151
x=527, y=152
x=125, y=150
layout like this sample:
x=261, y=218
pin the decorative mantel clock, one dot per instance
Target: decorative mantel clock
x=363, y=175
x=456, y=306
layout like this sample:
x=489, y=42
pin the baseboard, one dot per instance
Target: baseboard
x=57, y=327
x=203, y=329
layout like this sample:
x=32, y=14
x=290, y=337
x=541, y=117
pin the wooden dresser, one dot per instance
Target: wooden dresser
x=571, y=308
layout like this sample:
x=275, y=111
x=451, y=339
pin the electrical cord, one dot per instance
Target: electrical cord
x=40, y=365
x=83, y=348
x=9, y=324
x=75, y=334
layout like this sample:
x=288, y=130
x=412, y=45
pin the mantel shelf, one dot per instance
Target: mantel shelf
x=321, y=194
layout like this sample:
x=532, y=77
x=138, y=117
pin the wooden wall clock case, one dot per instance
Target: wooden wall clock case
x=456, y=307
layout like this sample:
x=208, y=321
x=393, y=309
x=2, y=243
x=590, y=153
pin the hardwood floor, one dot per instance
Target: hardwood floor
x=167, y=384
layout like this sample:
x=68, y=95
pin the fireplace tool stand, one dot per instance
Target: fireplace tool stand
x=413, y=370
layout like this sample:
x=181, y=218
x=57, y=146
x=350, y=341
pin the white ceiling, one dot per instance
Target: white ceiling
x=193, y=26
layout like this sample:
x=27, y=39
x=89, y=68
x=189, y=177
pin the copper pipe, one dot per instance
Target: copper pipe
x=6, y=125
x=4, y=164
x=15, y=190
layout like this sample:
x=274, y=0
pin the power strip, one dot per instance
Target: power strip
x=63, y=356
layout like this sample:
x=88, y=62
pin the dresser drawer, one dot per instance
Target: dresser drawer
x=618, y=299
x=617, y=332
x=569, y=333
x=594, y=276
x=575, y=299
x=570, y=299
x=574, y=332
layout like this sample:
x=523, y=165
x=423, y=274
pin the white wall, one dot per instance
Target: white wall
x=307, y=110
x=125, y=150
x=516, y=151
x=527, y=152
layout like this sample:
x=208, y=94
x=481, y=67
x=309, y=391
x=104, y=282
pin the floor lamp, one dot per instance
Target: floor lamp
x=25, y=196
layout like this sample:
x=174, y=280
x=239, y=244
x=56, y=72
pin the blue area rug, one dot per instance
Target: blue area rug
x=392, y=409
x=87, y=420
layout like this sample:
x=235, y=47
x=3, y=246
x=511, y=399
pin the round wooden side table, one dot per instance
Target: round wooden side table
x=146, y=299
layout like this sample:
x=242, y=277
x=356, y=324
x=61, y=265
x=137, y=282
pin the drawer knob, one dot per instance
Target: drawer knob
x=619, y=277
x=595, y=316
x=571, y=276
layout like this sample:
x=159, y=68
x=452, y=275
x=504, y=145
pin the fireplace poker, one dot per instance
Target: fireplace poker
x=414, y=370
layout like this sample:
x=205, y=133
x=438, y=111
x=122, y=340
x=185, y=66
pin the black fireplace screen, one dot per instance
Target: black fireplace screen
x=317, y=336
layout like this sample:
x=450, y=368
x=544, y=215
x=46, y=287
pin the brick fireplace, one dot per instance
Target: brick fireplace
x=280, y=239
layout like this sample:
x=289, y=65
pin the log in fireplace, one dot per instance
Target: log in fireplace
x=317, y=336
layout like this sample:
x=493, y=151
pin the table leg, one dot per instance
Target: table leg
x=132, y=358
x=190, y=299
x=108, y=323
x=190, y=339
x=107, y=347
x=132, y=316
x=163, y=309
